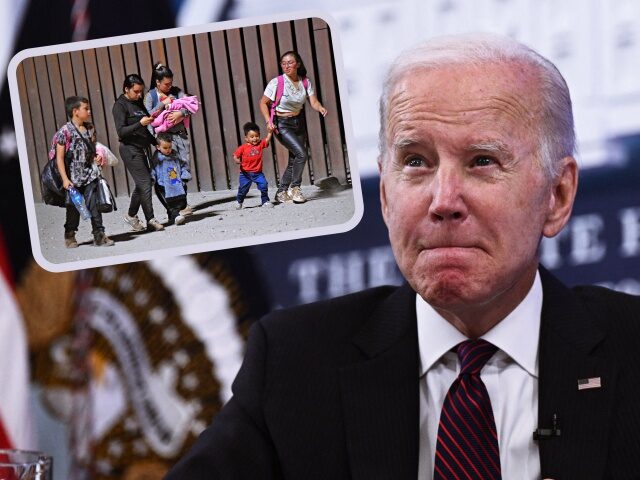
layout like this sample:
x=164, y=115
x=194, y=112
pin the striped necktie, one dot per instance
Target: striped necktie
x=467, y=442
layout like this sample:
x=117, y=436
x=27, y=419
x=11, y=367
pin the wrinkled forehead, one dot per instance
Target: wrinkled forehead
x=481, y=95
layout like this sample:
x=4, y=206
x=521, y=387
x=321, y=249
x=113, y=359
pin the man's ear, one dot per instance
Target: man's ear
x=563, y=194
x=383, y=194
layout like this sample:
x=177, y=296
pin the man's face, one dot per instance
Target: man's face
x=463, y=194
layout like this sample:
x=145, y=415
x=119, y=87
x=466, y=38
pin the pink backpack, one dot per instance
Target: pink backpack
x=280, y=91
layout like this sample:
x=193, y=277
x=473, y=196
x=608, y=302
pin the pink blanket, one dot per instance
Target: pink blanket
x=161, y=123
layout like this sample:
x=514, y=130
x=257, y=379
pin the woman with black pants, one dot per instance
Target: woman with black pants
x=131, y=119
x=289, y=99
x=162, y=92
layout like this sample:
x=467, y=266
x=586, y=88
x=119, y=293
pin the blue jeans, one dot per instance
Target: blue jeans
x=246, y=179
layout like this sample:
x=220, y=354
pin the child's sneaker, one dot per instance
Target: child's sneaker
x=154, y=225
x=238, y=206
x=179, y=220
x=267, y=205
x=134, y=222
x=70, y=240
x=101, y=240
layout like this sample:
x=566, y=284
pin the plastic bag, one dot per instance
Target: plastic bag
x=51, y=185
x=108, y=155
x=105, y=201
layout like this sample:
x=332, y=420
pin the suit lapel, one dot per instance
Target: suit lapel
x=380, y=394
x=569, y=337
x=381, y=399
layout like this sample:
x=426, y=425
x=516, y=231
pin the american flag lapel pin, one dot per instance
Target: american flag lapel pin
x=586, y=383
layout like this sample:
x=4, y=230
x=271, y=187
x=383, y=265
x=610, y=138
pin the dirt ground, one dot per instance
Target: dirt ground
x=215, y=224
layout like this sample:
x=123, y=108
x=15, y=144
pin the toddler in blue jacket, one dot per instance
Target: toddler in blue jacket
x=170, y=174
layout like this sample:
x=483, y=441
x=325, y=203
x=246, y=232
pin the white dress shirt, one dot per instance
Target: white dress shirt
x=510, y=375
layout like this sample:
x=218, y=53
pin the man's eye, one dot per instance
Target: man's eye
x=483, y=161
x=414, y=161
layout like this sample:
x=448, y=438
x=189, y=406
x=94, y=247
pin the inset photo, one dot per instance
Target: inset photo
x=184, y=140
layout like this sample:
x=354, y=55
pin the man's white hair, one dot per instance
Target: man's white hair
x=555, y=123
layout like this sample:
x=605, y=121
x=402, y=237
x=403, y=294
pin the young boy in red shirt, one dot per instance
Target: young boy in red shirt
x=249, y=157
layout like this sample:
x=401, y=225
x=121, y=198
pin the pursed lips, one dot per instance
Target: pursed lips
x=432, y=246
x=448, y=241
x=455, y=256
x=451, y=248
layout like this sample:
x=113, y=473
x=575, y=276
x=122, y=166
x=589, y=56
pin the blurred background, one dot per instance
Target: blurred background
x=116, y=370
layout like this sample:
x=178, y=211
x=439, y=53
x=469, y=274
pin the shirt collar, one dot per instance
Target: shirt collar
x=286, y=77
x=517, y=334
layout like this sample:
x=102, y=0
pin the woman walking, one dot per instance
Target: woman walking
x=131, y=120
x=162, y=92
x=281, y=106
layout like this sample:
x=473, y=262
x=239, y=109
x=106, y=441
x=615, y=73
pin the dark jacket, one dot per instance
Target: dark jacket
x=331, y=391
x=126, y=116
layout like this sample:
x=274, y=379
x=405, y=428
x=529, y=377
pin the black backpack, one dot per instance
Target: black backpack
x=53, y=193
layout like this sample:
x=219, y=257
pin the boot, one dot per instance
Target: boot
x=70, y=240
x=101, y=240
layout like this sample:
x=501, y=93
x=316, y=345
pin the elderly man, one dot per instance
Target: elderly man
x=483, y=366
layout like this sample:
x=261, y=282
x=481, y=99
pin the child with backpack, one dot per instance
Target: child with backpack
x=74, y=148
x=248, y=156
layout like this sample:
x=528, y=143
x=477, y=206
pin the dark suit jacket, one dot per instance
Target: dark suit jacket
x=330, y=391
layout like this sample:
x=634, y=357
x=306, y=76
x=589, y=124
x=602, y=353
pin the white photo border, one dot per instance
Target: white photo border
x=204, y=246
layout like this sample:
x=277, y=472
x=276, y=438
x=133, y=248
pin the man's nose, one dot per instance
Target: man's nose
x=447, y=200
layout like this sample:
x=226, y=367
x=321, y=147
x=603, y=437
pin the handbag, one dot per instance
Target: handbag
x=105, y=200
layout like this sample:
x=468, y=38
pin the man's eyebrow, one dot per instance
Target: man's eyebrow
x=491, y=146
x=403, y=142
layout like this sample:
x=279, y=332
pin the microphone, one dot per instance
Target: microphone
x=543, y=433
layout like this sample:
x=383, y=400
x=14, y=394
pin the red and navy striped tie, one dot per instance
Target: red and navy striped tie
x=467, y=444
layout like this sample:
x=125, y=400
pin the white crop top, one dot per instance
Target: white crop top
x=293, y=96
